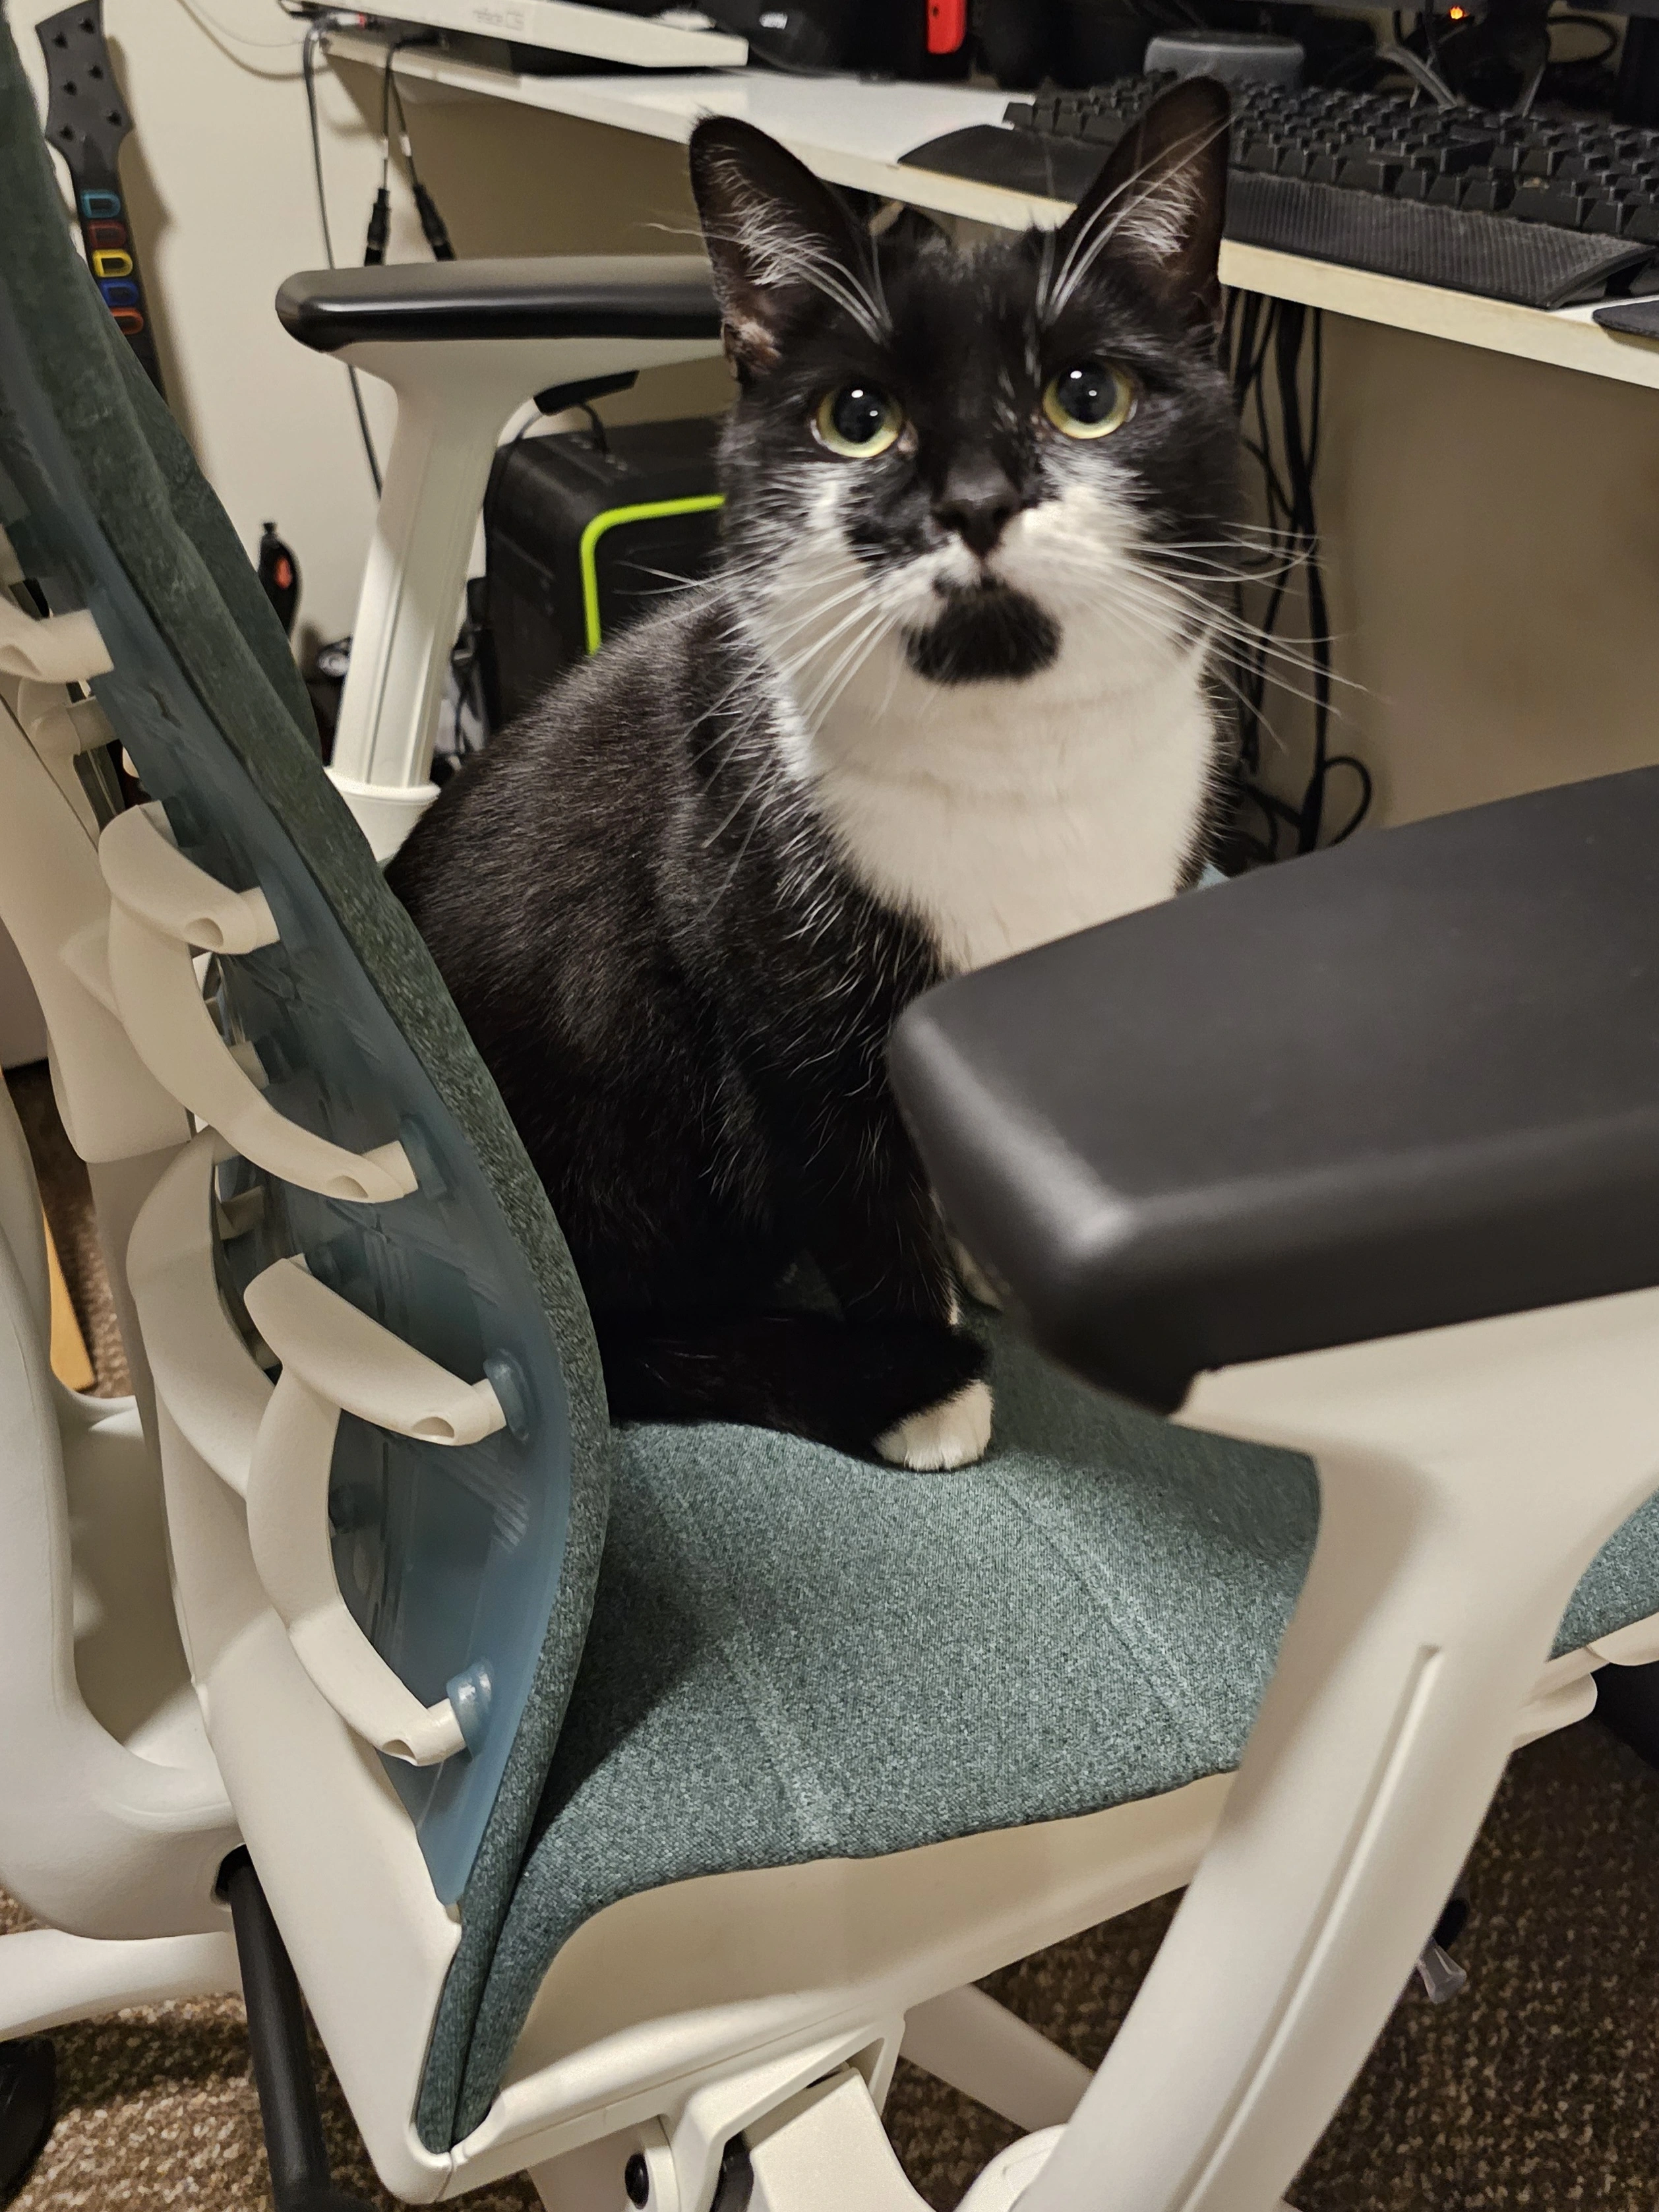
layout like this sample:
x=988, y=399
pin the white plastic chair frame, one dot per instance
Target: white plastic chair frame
x=454, y=398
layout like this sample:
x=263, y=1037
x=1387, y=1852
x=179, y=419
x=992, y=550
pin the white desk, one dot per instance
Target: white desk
x=1492, y=559
x=853, y=133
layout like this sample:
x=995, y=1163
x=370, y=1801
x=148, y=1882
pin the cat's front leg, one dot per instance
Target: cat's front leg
x=880, y=1240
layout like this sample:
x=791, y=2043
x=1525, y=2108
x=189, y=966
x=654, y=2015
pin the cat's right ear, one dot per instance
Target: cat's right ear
x=776, y=235
x=1159, y=202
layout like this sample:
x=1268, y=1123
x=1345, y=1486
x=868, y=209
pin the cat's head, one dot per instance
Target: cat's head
x=982, y=459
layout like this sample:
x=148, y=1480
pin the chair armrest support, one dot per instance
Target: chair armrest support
x=463, y=344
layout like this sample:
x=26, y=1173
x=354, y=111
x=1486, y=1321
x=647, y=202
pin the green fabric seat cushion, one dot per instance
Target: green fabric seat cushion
x=794, y=1655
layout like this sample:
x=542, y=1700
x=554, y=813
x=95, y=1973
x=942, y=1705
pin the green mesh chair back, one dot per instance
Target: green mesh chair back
x=471, y=1569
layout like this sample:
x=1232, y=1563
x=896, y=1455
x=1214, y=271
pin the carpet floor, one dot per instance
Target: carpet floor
x=1537, y=2087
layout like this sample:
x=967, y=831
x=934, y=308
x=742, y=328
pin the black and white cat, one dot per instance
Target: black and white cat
x=950, y=696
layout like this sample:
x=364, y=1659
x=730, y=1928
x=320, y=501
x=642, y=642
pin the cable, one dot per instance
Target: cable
x=380, y=221
x=225, y=39
x=435, y=230
x=1264, y=338
x=1427, y=79
x=315, y=30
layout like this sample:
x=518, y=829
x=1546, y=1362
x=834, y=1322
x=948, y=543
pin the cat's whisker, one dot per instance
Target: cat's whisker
x=852, y=663
x=815, y=710
x=1157, y=600
x=813, y=605
x=777, y=251
x=796, y=664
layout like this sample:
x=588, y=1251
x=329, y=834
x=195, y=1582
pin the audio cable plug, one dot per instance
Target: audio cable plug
x=380, y=223
x=437, y=235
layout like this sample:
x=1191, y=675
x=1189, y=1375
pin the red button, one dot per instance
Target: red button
x=947, y=25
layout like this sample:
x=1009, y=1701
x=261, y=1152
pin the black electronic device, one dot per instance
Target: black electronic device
x=279, y=576
x=1528, y=208
x=922, y=39
x=86, y=123
x=585, y=531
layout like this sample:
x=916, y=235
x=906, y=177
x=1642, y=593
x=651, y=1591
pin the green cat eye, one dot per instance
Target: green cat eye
x=858, y=420
x=1089, y=401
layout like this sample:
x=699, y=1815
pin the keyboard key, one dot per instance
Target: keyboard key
x=1486, y=195
x=1544, y=202
x=1373, y=174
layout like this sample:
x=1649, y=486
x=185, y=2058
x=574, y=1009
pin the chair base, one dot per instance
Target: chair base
x=29, y=2086
x=1628, y=1701
x=289, y=2110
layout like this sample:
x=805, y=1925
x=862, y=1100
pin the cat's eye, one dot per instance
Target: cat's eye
x=858, y=420
x=1090, y=400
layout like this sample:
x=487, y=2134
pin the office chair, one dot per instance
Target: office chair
x=621, y=1803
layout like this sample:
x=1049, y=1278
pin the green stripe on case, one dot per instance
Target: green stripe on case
x=607, y=521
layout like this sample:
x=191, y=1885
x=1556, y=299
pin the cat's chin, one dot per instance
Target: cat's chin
x=984, y=636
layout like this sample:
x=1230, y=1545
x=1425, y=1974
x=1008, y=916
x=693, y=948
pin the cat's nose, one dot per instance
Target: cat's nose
x=977, y=500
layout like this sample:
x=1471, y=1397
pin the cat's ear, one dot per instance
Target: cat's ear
x=776, y=235
x=1159, y=202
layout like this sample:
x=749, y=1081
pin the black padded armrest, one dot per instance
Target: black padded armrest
x=1410, y=1082
x=640, y=295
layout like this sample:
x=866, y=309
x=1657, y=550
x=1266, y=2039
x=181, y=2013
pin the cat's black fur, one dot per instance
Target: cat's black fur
x=681, y=986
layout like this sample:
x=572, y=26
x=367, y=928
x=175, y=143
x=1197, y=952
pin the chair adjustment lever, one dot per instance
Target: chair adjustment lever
x=161, y=906
x=1441, y=1976
x=336, y=1359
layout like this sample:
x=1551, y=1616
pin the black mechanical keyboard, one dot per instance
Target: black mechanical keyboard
x=1525, y=208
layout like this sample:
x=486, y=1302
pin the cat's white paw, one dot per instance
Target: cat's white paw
x=974, y=1278
x=953, y=1434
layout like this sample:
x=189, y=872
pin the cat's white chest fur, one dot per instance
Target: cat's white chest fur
x=1006, y=814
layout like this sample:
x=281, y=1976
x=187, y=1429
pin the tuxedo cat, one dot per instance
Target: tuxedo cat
x=949, y=697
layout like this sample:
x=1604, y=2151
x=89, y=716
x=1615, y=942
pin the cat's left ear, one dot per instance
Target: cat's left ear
x=1159, y=202
x=779, y=239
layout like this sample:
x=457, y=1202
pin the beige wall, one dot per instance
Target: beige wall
x=1493, y=535
x=1491, y=530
